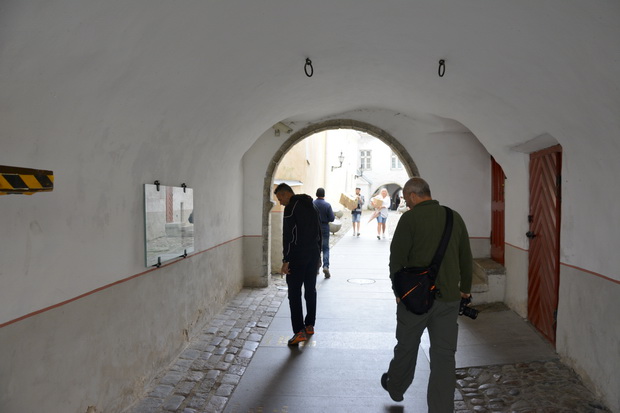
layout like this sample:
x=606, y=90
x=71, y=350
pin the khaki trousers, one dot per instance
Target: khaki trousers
x=443, y=333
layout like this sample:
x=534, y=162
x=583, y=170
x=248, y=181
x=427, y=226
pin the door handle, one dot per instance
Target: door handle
x=530, y=234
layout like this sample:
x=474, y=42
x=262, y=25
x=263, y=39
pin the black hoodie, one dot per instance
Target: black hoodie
x=301, y=233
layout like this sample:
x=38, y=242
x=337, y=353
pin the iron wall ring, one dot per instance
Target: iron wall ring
x=308, y=64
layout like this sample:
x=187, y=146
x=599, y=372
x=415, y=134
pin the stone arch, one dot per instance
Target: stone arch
x=384, y=136
x=393, y=188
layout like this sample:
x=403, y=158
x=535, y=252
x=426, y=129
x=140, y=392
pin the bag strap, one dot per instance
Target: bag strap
x=443, y=245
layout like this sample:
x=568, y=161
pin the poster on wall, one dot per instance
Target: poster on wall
x=168, y=223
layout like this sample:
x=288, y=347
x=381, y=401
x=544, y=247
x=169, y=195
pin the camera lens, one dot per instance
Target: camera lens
x=470, y=312
x=466, y=310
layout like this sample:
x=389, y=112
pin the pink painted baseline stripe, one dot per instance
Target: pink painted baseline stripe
x=576, y=268
x=43, y=310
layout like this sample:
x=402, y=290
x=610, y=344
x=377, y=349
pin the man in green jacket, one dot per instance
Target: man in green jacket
x=414, y=243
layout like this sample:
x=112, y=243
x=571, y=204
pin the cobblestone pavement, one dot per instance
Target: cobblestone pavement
x=207, y=372
x=537, y=387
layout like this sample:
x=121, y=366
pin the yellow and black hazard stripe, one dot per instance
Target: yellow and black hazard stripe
x=14, y=180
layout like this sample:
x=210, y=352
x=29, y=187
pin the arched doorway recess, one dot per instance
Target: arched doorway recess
x=382, y=135
x=394, y=189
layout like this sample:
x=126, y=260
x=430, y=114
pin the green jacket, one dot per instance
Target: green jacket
x=416, y=239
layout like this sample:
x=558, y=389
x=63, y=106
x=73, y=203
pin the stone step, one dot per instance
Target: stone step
x=489, y=280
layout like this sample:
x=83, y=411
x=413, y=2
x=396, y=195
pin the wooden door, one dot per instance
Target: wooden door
x=497, y=211
x=544, y=235
x=169, y=204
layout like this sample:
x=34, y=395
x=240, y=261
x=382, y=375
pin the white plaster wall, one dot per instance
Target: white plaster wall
x=103, y=349
x=456, y=165
x=255, y=274
x=255, y=162
x=78, y=101
x=506, y=84
x=275, y=241
x=516, y=263
x=480, y=247
x=588, y=330
x=110, y=95
x=103, y=136
x=89, y=231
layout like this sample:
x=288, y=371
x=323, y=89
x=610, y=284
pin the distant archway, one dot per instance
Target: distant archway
x=382, y=135
x=394, y=191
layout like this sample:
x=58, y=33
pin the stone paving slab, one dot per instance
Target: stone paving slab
x=537, y=387
x=209, y=371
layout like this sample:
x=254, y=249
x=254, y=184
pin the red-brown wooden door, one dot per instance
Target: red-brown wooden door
x=544, y=235
x=498, y=205
x=169, y=204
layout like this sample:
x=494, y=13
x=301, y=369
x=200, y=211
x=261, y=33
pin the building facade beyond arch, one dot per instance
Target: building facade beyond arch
x=381, y=134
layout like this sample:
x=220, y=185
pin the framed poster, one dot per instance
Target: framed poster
x=168, y=223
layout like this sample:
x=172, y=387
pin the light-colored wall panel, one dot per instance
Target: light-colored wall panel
x=588, y=331
x=516, y=263
x=103, y=349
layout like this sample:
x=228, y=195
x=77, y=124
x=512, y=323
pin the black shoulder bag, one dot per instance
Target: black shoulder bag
x=415, y=286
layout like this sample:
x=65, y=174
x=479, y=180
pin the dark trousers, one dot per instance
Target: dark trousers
x=302, y=273
x=325, y=245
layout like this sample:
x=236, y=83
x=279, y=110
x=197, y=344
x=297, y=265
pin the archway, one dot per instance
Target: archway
x=394, y=191
x=298, y=136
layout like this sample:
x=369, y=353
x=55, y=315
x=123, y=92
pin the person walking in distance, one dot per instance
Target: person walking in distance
x=414, y=243
x=326, y=215
x=383, y=213
x=301, y=239
x=356, y=214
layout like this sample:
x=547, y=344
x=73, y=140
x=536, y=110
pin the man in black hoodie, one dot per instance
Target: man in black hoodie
x=301, y=240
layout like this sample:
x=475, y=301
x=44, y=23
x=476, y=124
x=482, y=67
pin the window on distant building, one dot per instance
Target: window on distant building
x=396, y=163
x=364, y=160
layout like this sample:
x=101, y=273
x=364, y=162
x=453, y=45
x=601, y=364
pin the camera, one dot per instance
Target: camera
x=466, y=310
